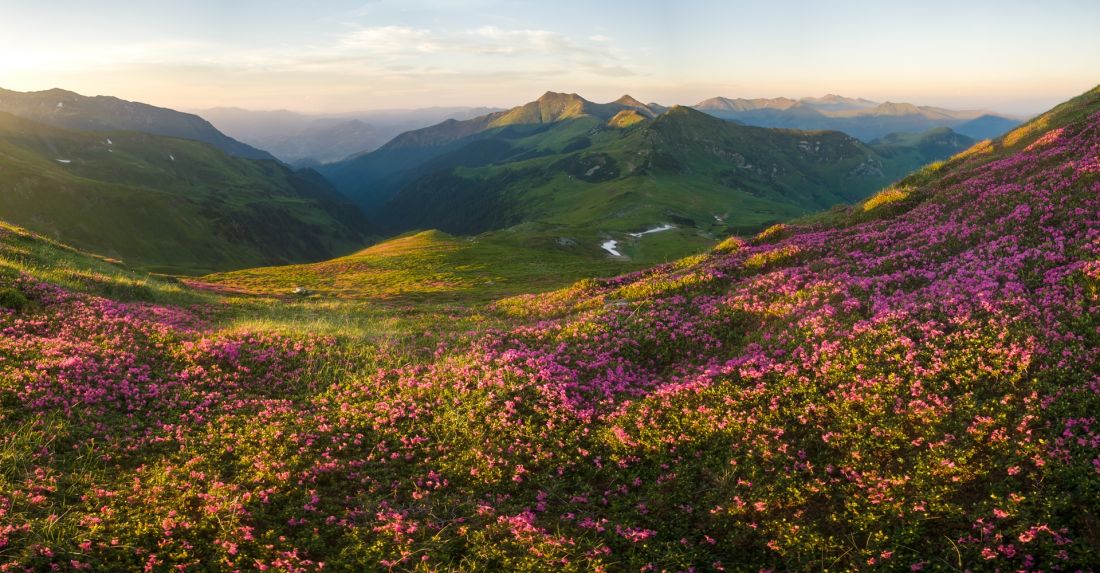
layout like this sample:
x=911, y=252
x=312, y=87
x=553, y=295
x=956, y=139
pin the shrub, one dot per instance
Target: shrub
x=12, y=298
x=730, y=245
x=773, y=233
x=886, y=197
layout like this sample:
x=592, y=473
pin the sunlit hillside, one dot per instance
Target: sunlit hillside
x=908, y=384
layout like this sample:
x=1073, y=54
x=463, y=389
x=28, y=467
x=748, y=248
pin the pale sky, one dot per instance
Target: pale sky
x=1013, y=56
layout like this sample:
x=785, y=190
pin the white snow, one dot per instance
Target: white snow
x=109, y=142
x=664, y=227
x=611, y=246
x=172, y=157
x=64, y=160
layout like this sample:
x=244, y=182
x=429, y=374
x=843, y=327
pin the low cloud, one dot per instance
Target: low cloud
x=484, y=49
x=390, y=40
x=394, y=64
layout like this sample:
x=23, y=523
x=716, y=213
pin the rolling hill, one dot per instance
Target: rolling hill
x=860, y=118
x=69, y=110
x=167, y=204
x=610, y=172
x=428, y=267
x=936, y=143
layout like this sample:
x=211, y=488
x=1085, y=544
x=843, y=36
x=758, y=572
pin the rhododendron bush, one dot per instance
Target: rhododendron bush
x=918, y=390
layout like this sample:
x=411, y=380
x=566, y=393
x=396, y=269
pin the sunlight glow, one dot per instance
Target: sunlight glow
x=346, y=56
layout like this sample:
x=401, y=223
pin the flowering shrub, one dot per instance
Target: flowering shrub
x=885, y=197
x=917, y=391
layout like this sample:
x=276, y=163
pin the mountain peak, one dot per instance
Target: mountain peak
x=628, y=100
x=557, y=97
x=549, y=108
x=742, y=104
x=50, y=93
x=679, y=113
x=894, y=108
x=58, y=92
x=626, y=118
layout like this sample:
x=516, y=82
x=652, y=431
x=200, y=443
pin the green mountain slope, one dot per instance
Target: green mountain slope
x=923, y=148
x=372, y=178
x=608, y=172
x=167, y=204
x=69, y=110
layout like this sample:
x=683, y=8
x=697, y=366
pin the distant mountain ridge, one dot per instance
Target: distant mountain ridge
x=305, y=139
x=858, y=117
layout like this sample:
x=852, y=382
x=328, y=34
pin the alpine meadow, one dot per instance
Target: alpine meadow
x=330, y=286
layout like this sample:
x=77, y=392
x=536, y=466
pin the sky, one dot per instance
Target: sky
x=325, y=56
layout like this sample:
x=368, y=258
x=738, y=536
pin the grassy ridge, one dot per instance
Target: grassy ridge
x=69, y=110
x=166, y=204
x=25, y=253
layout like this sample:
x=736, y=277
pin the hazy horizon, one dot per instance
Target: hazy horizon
x=354, y=56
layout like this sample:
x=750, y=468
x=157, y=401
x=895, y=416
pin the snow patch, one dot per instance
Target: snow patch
x=172, y=157
x=109, y=142
x=664, y=227
x=612, y=246
x=64, y=161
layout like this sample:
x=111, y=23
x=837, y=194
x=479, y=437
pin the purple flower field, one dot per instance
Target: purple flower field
x=912, y=385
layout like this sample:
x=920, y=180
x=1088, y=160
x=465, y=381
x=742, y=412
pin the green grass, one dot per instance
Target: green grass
x=346, y=315
x=431, y=267
x=24, y=252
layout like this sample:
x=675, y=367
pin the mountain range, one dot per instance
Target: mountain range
x=631, y=180
x=611, y=170
x=861, y=118
x=310, y=140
